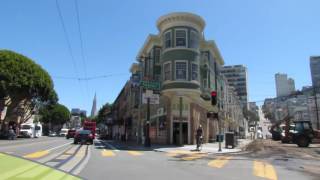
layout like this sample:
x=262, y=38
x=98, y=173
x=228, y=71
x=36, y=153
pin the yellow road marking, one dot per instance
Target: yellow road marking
x=36, y=154
x=264, y=170
x=72, y=150
x=178, y=152
x=193, y=156
x=107, y=153
x=220, y=162
x=135, y=153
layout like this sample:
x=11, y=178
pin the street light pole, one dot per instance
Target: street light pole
x=147, y=142
x=219, y=124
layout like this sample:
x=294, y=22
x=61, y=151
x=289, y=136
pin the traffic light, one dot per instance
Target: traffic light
x=213, y=98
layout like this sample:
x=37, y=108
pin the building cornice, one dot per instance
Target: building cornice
x=152, y=40
x=180, y=19
x=212, y=47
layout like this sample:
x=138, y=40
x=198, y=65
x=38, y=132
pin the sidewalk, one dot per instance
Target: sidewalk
x=210, y=148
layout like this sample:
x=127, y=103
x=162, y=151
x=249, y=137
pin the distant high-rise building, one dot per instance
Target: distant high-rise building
x=291, y=84
x=284, y=86
x=94, y=106
x=315, y=70
x=237, y=77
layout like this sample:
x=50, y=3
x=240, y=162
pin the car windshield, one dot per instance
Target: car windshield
x=25, y=127
x=85, y=132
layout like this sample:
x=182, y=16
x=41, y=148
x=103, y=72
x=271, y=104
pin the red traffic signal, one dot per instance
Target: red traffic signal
x=213, y=98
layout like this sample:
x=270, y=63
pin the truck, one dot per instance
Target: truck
x=90, y=125
x=31, y=130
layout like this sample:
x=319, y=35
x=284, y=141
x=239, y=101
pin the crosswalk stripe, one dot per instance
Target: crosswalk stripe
x=264, y=170
x=107, y=153
x=219, y=162
x=135, y=153
x=37, y=154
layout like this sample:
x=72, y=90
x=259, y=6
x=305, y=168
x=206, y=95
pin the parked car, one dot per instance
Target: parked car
x=63, y=132
x=71, y=133
x=83, y=137
x=52, y=134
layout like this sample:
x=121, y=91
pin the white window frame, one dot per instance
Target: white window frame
x=198, y=70
x=198, y=38
x=175, y=70
x=165, y=40
x=164, y=73
x=205, y=83
x=175, y=37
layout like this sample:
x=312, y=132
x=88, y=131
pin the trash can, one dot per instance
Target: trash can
x=230, y=139
x=221, y=137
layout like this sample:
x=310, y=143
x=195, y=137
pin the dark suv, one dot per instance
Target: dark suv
x=84, y=137
x=71, y=133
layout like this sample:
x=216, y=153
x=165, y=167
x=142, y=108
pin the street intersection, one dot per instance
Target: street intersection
x=113, y=160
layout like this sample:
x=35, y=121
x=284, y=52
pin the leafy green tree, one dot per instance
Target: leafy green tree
x=251, y=116
x=24, y=85
x=103, y=111
x=56, y=114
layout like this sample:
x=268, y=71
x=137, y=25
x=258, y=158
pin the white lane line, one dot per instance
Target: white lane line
x=83, y=163
x=59, y=146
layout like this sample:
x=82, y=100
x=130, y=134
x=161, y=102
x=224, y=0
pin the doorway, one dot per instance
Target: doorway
x=176, y=131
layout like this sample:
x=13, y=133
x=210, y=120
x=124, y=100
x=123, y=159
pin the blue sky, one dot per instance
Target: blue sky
x=266, y=36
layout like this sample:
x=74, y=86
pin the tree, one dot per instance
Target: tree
x=56, y=114
x=251, y=116
x=24, y=85
x=103, y=111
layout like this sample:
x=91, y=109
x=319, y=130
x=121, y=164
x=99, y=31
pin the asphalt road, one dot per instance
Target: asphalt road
x=110, y=160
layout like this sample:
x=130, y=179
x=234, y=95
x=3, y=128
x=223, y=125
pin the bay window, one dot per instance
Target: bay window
x=181, y=70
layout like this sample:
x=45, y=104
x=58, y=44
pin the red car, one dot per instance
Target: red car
x=83, y=137
x=70, y=133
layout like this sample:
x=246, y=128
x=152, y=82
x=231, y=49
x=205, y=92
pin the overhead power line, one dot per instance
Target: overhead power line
x=66, y=36
x=81, y=45
x=88, y=78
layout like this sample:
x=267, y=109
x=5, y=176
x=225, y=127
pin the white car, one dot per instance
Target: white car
x=63, y=132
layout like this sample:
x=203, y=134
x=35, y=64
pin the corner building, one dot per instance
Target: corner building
x=187, y=66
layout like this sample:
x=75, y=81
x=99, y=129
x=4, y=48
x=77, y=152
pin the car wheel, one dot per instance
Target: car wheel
x=303, y=141
x=75, y=142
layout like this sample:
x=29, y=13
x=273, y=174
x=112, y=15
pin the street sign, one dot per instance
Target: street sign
x=154, y=98
x=3, y=113
x=153, y=85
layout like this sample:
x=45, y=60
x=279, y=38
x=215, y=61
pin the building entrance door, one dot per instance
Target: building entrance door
x=176, y=132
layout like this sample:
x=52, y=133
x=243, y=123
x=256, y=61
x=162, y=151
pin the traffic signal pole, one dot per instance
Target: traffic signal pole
x=147, y=142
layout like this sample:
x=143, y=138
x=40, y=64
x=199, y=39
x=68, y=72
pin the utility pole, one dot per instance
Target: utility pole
x=219, y=124
x=180, y=124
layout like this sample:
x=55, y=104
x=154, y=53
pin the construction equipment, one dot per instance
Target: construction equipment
x=304, y=134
